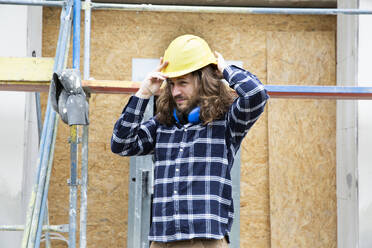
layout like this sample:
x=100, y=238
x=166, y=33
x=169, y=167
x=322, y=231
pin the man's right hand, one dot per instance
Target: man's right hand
x=151, y=84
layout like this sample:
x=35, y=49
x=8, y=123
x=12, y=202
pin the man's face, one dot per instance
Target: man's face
x=183, y=91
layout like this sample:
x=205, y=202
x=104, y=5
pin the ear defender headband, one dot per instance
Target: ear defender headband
x=192, y=117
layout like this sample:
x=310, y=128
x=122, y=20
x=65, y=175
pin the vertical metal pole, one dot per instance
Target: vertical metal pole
x=84, y=162
x=84, y=188
x=87, y=27
x=76, y=36
x=37, y=193
x=37, y=216
x=138, y=209
x=43, y=210
x=73, y=184
x=38, y=114
x=39, y=125
x=46, y=222
x=235, y=178
x=74, y=131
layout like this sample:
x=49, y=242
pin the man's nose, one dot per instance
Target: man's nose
x=176, y=91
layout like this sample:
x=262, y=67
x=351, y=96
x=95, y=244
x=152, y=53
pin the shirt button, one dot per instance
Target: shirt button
x=175, y=191
x=177, y=170
x=181, y=150
x=185, y=129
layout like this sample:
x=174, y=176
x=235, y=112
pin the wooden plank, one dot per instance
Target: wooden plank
x=111, y=87
x=92, y=86
x=302, y=142
x=26, y=69
x=27, y=86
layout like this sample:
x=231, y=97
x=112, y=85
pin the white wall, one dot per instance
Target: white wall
x=365, y=128
x=20, y=28
x=347, y=129
x=354, y=129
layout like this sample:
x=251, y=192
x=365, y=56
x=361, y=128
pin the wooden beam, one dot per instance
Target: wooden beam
x=28, y=86
x=110, y=86
x=25, y=74
x=26, y=69
x=92, y=86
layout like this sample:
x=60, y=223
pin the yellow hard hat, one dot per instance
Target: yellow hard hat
x=185, y=54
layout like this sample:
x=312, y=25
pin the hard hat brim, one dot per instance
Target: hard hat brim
x=174, y=74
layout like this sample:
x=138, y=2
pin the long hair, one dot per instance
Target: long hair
x=213, y=97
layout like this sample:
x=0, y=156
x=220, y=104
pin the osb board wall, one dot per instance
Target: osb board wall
x=302, y=142
x=117, y=37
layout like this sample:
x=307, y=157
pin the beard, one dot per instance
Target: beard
x=192, y=103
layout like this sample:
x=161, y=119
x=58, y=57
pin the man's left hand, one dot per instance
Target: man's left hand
x=221, y=63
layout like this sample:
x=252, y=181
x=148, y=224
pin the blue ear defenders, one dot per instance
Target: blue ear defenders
x=192, y=117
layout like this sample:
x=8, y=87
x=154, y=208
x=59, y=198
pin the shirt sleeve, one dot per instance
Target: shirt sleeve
x=131, y=137
x=249, y=105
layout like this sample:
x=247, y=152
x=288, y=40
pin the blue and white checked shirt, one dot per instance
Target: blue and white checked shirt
x=192, y=188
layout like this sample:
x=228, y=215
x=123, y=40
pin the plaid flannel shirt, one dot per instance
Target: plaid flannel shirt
x=192, y=189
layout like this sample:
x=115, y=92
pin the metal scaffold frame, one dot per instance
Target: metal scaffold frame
x=37, y=210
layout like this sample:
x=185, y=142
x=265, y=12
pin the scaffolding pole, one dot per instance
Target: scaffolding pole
x=34, y=3
x=74, y=132
x=49, y=228
x=198, y=9
x=221, y=10
x=44, y=209
x=84, y=152
x=39, y=127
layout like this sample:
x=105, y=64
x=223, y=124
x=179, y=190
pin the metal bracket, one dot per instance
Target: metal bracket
x=78, y=182
x=79, y=140
x=86, y=6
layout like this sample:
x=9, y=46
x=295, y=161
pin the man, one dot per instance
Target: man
x=194, y=137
